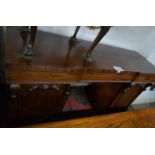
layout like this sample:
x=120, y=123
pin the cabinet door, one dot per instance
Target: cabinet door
x=126, y=96
x=36, y=101
x=109, y=97
x=101, y=95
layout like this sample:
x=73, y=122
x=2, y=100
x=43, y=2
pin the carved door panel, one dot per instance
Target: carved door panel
x=36, y=101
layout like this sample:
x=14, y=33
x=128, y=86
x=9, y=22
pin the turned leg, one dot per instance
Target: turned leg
x=73, y=38
x=28, y=34
x=103, y=31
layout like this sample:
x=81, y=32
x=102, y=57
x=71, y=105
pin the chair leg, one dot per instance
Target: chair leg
x=24, y=31
x=73, y=38
x=28, y=34
x=102, y=33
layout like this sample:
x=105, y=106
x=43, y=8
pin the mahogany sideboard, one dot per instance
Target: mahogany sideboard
x=39, y=88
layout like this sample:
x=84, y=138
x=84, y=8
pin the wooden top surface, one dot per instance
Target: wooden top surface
x=133, y=119
x=52, y=54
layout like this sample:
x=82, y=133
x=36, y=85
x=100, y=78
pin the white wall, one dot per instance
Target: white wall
x=140, y=38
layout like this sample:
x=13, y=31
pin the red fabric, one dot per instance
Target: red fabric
x=74, y=105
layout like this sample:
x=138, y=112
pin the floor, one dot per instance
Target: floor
x=132, y=119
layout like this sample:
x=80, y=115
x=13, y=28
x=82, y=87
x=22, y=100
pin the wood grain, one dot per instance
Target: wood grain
x=135, y=119
x=56, y=61
x=34, y=102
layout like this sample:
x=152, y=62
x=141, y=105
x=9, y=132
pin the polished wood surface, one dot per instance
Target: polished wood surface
x=133, y=119
x=101, y=34
x=103, y=31
x=126, y=96
x=108, y=97
x=56, y=61
x=102, y=94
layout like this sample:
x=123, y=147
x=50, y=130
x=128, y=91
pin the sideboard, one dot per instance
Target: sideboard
x=39, y=88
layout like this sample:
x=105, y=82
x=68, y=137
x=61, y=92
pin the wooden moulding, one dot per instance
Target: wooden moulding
x=145, y=78
x=13, y=76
